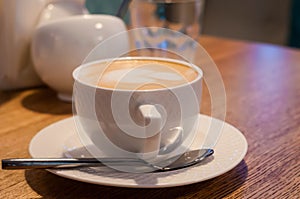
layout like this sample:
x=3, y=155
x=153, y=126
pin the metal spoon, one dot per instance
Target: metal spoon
x=123, y=9
x=189, y=158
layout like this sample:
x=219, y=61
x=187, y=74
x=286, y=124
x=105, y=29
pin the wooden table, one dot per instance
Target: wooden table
x=263, y=100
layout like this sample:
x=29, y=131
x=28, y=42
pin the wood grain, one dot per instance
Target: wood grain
x=262, y=85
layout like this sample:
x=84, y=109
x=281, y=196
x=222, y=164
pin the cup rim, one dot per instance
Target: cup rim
x=75, y=73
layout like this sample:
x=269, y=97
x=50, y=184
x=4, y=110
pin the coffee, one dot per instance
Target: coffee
x=144, y=74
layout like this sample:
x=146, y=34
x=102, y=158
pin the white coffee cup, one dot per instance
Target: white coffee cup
x=60, y=45
x=147, y=123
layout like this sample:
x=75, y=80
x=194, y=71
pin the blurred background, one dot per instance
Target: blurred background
x=271, y=21
x=268, y=21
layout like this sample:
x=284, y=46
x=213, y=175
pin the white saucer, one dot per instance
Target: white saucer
x=59, y=138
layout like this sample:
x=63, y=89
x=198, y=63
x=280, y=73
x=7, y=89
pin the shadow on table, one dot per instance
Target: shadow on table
x=217, y=187
x=6, y=96
x=45, y=101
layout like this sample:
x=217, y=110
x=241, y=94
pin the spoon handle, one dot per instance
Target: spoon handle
x=186, y=159
x=123, y=9
x=55, y=163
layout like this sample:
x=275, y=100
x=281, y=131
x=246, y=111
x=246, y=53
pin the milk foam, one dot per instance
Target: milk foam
x=145, y=74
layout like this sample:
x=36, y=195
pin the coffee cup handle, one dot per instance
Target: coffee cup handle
x=152, y=119
x=154, y=123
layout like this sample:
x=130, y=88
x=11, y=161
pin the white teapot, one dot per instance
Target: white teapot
x=60, y=46
x=18, y=21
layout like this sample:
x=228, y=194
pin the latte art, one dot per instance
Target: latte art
x=145, y=74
